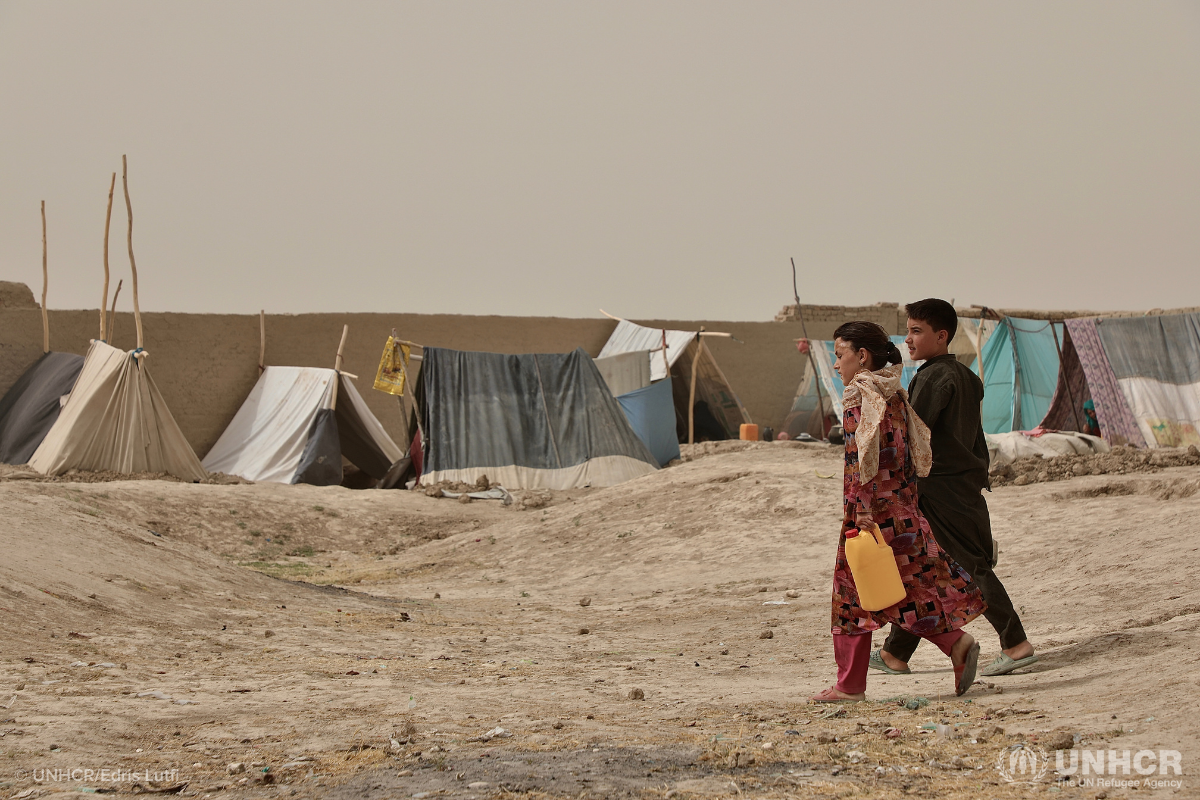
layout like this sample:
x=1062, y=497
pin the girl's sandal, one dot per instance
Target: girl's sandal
x=831, y=695
x=964, y=674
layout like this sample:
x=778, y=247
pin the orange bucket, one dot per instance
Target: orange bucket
x=748, y=432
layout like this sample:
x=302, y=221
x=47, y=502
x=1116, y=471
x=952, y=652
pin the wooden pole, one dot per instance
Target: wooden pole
x=666, y=361
x=812, y=359
x=262, y=340
x=698, y=343
x=107, y=220
x=45, y=287
x=137, y=311
x=410, y=389
x=402, y=399
x=978, y=349
x=112, y=317
x=337, y=365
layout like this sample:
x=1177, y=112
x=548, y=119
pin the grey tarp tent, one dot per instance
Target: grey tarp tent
x=31, y=406
x=526, y=421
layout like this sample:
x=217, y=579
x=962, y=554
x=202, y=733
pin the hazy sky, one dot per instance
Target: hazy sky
x=655, y=159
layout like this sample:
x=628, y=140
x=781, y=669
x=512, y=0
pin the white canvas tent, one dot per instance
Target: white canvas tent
x=674, y=354
x=296, y=425
x=116, y=420
x=626, y=372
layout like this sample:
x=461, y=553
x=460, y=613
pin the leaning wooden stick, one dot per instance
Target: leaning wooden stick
x=112, y=317
x=337, y=366
x=45, y=286
x=137, y=311
x=812, y=360
x=107, y=219
x=262, y=340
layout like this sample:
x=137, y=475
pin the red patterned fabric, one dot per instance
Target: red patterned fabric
x=1066, y=408
x=941, y=596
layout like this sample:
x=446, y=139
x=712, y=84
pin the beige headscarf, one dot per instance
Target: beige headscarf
x=871, y=391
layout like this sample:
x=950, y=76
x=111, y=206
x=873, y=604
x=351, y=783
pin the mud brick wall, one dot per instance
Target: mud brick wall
x=206, y=364
x=823, y=320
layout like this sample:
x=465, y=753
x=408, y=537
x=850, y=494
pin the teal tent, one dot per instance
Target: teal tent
x=1020, y=374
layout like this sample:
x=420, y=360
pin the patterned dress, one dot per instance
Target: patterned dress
x=941, y=597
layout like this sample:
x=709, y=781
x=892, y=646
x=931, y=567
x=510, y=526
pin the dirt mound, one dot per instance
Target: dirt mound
x=1177, y=489
x=482, y=484
x=23, y=472
x=1119, y=461
x=691, y=452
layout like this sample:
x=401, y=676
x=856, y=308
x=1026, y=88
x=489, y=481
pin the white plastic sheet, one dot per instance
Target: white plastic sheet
x=630, y=337
x=116, y=420
x=266, y=437
x=1005, y=448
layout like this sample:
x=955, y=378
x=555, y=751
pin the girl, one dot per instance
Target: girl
x=887, y=447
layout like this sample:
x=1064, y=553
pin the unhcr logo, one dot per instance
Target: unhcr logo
x=1147, y=769
x=1157, y=769
x=1023, y=763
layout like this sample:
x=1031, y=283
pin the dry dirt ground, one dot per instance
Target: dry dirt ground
x=336, y=643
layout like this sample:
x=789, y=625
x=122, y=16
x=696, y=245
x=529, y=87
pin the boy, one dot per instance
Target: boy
x=946, y=396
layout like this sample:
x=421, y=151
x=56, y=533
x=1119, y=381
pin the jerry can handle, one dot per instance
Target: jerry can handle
x=876, y=534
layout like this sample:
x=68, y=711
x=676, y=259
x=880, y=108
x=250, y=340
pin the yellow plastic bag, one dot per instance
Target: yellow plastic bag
x=393, y=368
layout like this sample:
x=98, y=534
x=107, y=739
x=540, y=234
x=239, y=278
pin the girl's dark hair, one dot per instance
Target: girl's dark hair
x=871, y=337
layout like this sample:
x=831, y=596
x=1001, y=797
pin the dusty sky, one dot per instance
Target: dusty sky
x=655, y=159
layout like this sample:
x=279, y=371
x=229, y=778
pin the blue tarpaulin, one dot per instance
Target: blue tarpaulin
x=651, y=414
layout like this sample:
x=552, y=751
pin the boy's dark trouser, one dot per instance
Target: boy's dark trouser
x=958, y=516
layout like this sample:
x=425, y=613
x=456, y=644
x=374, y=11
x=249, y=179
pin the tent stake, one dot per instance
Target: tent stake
x=107, y=220
x=45, y=286
x=137, y=311
x=112, y=318
x=262, y=340
x=692, y=392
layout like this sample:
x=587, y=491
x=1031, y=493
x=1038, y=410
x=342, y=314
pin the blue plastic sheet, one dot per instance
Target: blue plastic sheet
x=651, y=414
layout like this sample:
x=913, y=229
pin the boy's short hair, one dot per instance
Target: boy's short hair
x=938, y=314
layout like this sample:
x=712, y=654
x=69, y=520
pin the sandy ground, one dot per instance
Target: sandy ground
x=329, y=642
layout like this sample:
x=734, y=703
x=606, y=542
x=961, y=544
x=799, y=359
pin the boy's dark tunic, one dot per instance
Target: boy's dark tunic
x=946, y=396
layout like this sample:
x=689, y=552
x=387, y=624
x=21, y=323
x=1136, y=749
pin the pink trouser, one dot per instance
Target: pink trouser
x=852, y=651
